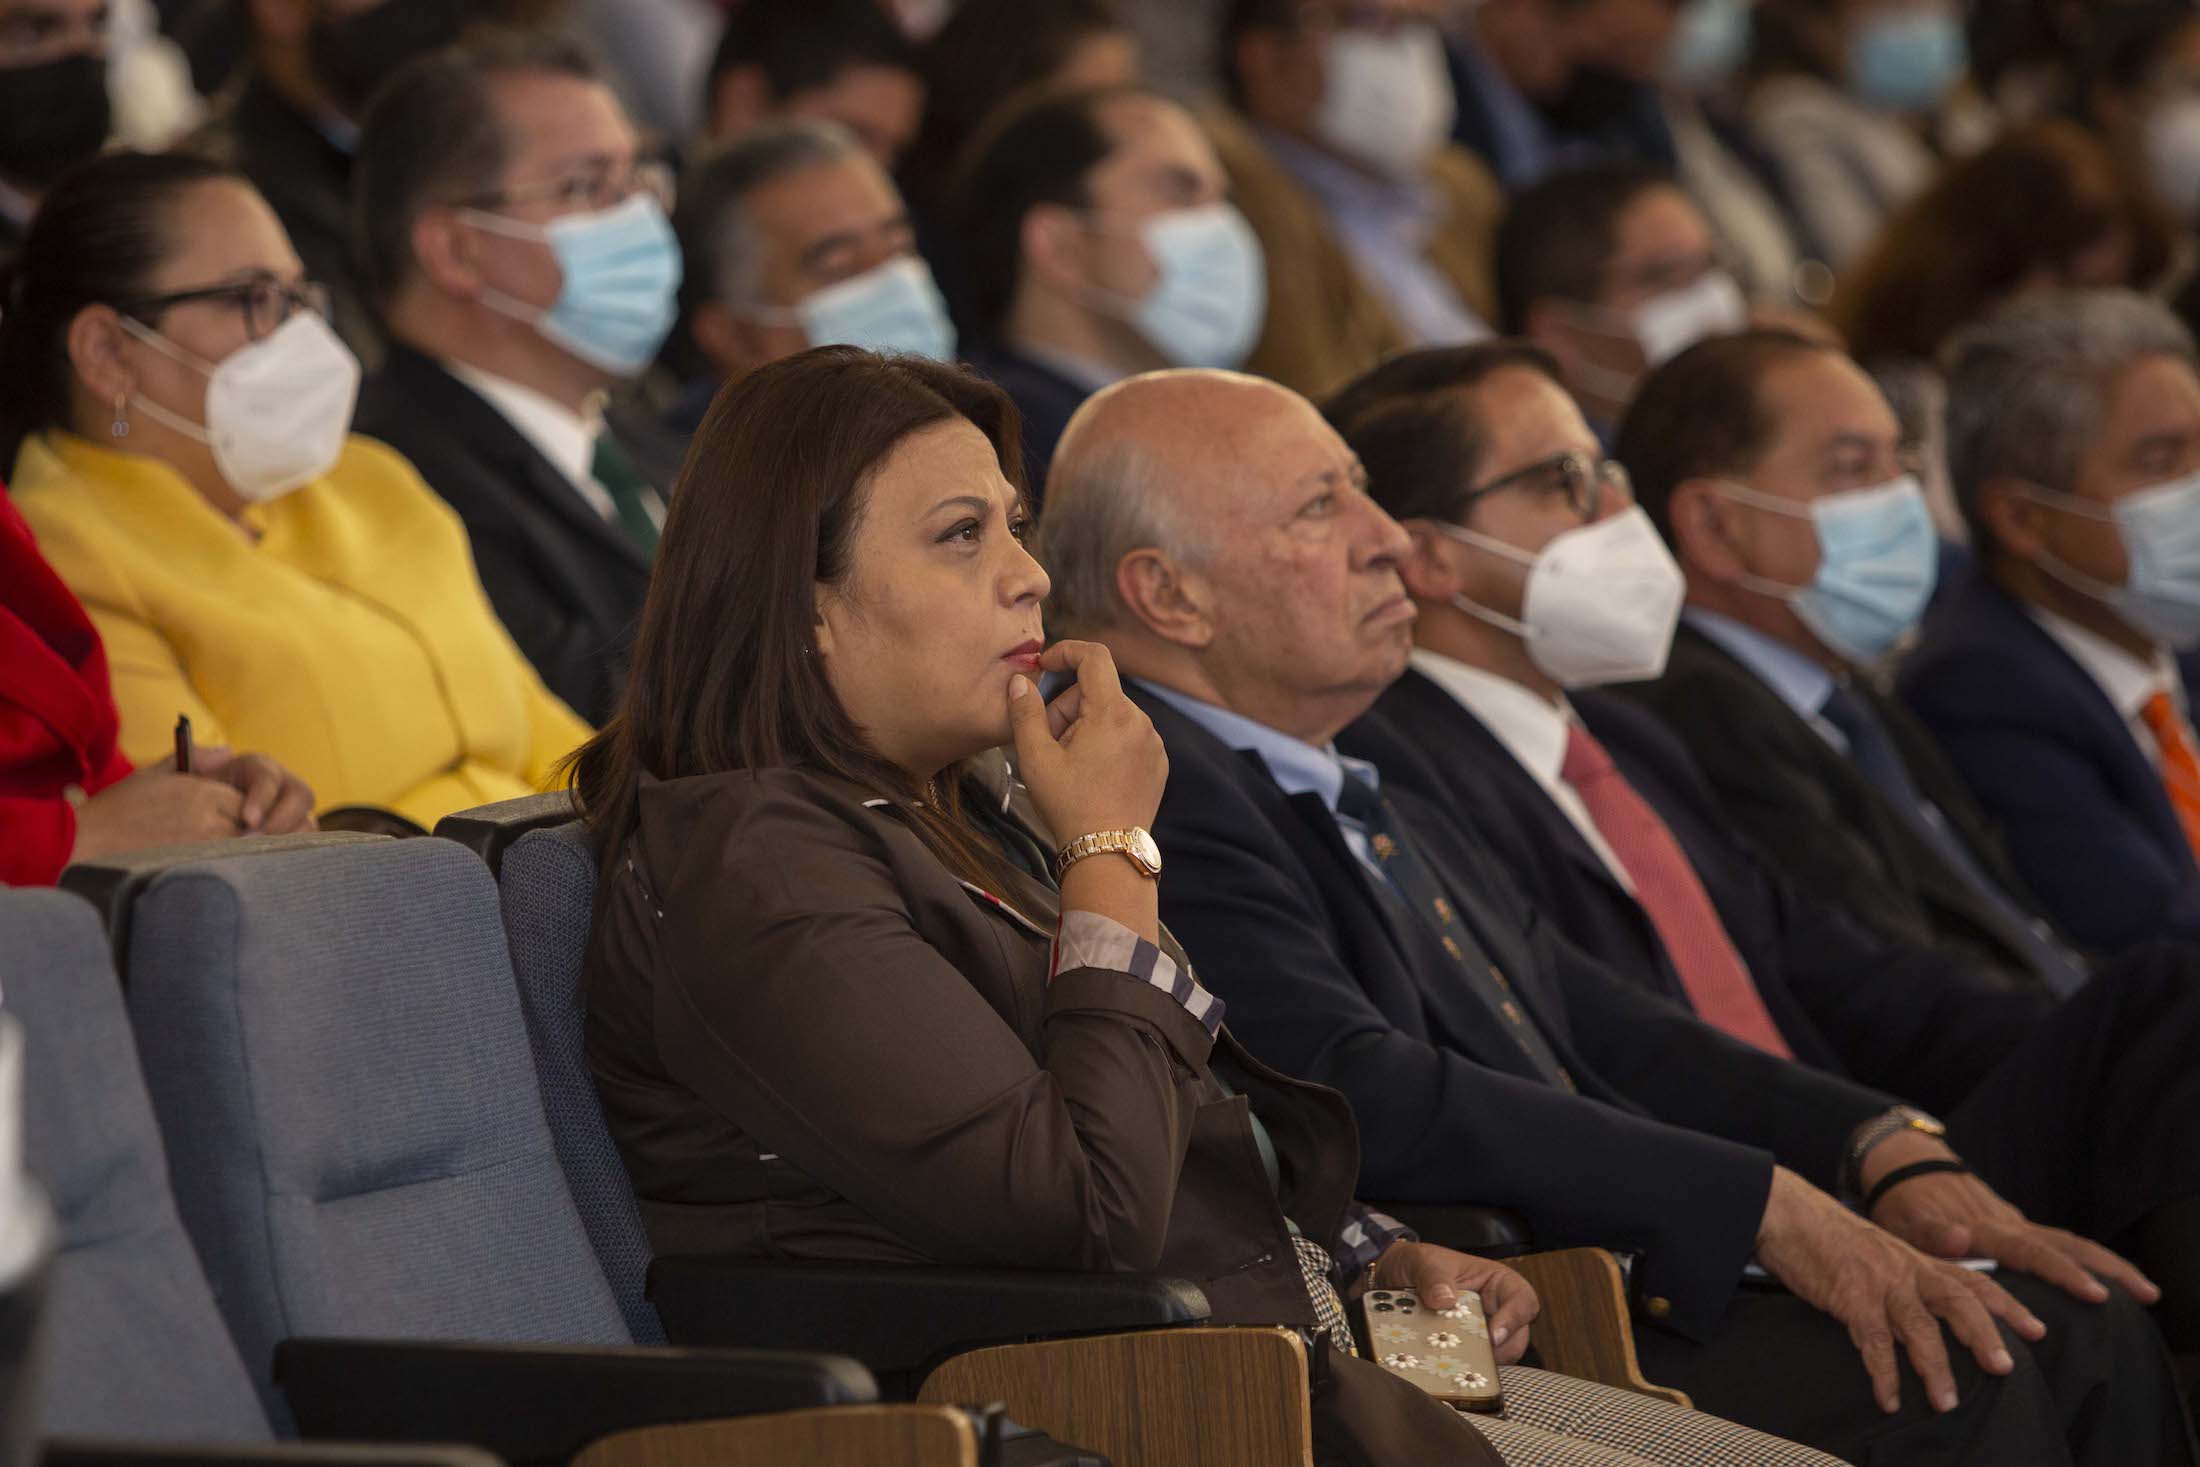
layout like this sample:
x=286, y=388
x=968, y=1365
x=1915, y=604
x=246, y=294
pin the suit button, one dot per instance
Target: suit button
x=1659, y=1307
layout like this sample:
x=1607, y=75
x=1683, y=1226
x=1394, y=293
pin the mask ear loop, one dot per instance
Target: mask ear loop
x=1478, y=541
x=1750, y=580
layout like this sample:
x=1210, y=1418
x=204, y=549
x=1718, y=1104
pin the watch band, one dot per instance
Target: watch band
x=1124, y=843
x=1887, y=1123
x=1903, y=1174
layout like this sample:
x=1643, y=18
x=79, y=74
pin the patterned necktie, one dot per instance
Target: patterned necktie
x=1408, y=881
x=631, y=494
x=1712, y=973
x=2180, y=763
x=1872, y=750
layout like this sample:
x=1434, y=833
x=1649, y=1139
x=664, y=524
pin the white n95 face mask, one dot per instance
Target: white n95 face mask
x=1710, y=305
x=1601, y=604
x=1387, y=99
x=277, y=410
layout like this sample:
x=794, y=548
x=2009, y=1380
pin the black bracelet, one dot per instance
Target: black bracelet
x=1903, y=1174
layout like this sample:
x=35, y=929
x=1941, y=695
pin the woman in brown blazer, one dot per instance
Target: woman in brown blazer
x=839, y=1008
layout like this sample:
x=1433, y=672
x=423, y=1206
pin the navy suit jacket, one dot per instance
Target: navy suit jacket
x=1666, y=1151
x=2082, y=810
x=1045, y=400
x=1896, y=1017
x=1804, y=805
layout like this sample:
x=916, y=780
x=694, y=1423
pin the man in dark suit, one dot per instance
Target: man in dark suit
x=1065, y=273
x=518, y=246
x=2086, y=1113
x=1215, y=534
x=2048, y=672
x=1731, y=447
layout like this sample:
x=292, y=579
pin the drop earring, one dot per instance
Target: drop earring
x=121, y=428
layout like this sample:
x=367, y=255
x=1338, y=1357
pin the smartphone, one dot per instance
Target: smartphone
x=1445, y=1352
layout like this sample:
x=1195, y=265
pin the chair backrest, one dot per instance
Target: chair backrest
x=491, y=830
x=334, y=1049
x=134, y=1344
x=548, y=888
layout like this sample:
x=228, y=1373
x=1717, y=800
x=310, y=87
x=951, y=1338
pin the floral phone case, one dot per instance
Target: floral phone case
x=1445, y=1352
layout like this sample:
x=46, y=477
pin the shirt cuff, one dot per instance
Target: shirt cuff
x=1089, y=940
x=1367, y=1236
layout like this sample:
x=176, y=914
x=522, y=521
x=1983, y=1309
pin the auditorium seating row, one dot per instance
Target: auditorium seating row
x=327, y=1165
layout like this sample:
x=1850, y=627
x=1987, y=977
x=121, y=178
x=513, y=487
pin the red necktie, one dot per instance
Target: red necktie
x=1717, y=982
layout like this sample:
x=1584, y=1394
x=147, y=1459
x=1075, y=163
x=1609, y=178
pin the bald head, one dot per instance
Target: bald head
x=1217, y=534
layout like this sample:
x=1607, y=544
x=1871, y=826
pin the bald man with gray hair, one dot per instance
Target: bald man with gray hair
x=1217, y=536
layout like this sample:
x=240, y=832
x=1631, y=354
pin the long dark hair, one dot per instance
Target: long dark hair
x=98, y=237
x=725, y=674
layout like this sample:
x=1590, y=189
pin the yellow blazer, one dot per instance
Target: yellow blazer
x=1325, y=324
x=351, y=639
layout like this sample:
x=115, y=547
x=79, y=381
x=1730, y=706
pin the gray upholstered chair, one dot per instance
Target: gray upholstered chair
x=134, y=1344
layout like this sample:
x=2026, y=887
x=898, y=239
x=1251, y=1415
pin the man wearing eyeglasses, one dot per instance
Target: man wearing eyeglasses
x=1539, y=580
x=516, y=235
x=54, y=108
x=1218, y=537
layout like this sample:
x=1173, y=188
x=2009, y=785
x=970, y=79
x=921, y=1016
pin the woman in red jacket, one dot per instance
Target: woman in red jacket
x=66, y=792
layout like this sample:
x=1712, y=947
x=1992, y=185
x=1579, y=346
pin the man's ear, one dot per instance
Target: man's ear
x=1703, y=535
x=1426, y=568
x=445, y=253
x=95, y=344
x=2013, y=518
x=740, y=99
x=1052, y=242
x=1162, y=596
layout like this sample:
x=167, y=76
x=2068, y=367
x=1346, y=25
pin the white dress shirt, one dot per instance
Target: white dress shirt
x=2128, y=682
x=564, y=437
x=1534, y=730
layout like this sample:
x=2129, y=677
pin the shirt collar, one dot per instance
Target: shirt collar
x=1801, y=683
x=1298, y=767
x=1534, y=729
x=566, y=438
x=2128, y=681
x=1407, y=207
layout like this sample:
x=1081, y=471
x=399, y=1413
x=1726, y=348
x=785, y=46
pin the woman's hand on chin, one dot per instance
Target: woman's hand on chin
x=1091, y=760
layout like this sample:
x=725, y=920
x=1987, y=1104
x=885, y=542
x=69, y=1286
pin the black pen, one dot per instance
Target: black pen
x=183, y=743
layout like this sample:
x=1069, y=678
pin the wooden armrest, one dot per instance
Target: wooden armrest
x=1195, y=1396
x=846, y=1436
x=1584, y=1329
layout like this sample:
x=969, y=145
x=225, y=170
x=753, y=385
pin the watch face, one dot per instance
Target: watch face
x=1142, y=846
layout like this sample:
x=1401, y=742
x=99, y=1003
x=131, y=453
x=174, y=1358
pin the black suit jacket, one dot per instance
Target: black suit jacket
x=1666, y=1151
x=1898, y=1018
x=567, y=583
x=1045, y=400
x=1810, y=810
x=2086, y=815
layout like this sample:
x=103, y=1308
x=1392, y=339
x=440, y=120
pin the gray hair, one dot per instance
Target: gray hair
x=717, y=236
x=2027, y=387
x=1100, y=506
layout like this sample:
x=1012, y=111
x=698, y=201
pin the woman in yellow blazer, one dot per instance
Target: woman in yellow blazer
x=179, y=415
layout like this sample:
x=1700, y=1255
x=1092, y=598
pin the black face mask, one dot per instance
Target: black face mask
x=53, y=116
x=354, y=55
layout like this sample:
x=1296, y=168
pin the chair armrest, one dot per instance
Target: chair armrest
x=536, y=1403
x=897, y=1320
x=489, y=830
x=1584, y=1330
x=852, y=1436
x=1490, y=1232
x=100, y=1452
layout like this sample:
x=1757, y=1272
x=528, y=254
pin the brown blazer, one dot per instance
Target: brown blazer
x=1325, y=324
x=813, y=1042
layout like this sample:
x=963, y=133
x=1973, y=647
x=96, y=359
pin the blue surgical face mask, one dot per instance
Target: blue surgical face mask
x=891, y=307
x=1709, y=44
x=620, y=295
x=2160, y=527
x=1878, y=558
x=1906, y=60
x=1210, y=292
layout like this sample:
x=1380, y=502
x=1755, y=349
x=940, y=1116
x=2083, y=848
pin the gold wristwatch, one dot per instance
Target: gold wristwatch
x=1879, y=1128
x=1134, y=845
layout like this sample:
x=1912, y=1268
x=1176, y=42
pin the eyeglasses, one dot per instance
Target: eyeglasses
x=598, y=186
x=1582, y=479
x=265, y=304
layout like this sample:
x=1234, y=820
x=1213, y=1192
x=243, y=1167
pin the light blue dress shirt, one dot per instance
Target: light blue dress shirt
x=1802, y=684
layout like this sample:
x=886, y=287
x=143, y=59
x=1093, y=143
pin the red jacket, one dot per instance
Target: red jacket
x=57, y=710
